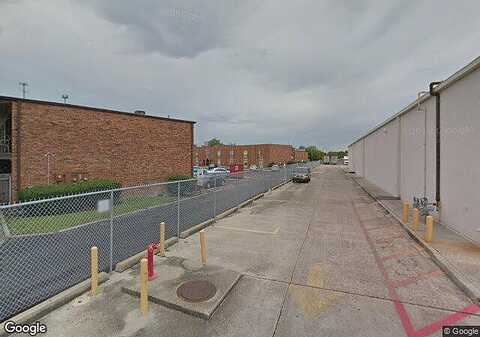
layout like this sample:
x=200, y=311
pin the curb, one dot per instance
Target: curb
x=185, y=234
x=197, y=228
x=446, y=266
x=227, y=213
x=52, y=303
x=284, y=183
x=128, y=263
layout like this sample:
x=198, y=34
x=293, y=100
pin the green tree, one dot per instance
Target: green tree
x=214, y=142
x=339, y=154
x=314, y=153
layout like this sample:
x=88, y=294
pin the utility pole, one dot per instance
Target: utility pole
x=65, y=97
x=24, y=86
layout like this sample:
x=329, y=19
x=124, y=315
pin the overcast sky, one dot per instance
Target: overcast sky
x=299, y=72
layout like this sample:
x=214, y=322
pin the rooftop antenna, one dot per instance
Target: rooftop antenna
x=24, y=86
x=65, y=97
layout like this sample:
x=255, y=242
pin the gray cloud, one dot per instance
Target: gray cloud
x=176, y=28
x=301, y=72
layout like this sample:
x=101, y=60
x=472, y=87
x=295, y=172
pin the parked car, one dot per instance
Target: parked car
x=196, y=170
x=206, y=179
x=219, y=170
x=301, y=174
x=275, y=168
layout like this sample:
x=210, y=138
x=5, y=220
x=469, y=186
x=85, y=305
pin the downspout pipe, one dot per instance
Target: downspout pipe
x=437, y=140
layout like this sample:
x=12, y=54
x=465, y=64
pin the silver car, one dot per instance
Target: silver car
x=301, y=175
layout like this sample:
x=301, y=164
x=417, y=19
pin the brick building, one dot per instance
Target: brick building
x=300, y=155
x=46, y=142
x=260, y=155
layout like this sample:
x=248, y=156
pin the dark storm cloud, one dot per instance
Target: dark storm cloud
x=177, y=28
x=301, y=72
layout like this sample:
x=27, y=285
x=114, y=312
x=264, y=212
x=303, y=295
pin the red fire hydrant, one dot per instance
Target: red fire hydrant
x=150, y=253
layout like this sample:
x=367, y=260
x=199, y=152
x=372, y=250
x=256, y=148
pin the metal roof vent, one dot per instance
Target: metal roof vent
x=139, y=112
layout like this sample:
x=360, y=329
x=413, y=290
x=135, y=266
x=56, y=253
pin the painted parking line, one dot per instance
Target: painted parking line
x=275, y=232
x=416, y=278
x=400, y=308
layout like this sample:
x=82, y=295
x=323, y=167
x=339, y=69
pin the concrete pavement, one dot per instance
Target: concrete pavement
x=319, y=259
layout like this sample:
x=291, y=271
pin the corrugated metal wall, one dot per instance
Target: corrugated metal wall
x=460, y=173
x=399, y=156
x=382, y=159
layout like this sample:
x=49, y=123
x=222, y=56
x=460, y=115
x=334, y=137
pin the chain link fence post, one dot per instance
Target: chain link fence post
x=178, y=211
x=111, y=231
x=214, y=198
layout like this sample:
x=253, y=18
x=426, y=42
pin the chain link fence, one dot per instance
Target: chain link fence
x=45, y=244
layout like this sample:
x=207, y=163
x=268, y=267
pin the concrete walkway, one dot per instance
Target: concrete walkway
x=462, y=255
x=318, y=259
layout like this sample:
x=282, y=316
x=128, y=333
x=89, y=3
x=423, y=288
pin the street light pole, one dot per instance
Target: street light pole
x=48, y=155
x=24, y=88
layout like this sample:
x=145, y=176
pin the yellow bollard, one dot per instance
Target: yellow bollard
x=203, y=247
x=406, y=210
x=416, y=219
x=162, y=239
x=143, y=286
x=93, y=270
x=429, y=230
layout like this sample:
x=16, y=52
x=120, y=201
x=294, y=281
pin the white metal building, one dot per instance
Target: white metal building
x=402, y=157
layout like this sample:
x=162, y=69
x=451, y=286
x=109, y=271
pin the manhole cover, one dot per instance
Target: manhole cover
x=196, y=291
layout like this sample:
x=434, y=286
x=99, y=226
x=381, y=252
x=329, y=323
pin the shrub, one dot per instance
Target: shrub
x=51, y=191
x=178, y=177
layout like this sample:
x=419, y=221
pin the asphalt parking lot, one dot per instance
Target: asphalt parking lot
x=318, y=259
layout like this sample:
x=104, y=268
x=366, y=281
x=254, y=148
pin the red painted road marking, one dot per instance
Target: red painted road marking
x=418, y=277
x=449, y=320
x=408, y=253
x=389, y=239
x=400, y=308
x=374, y=228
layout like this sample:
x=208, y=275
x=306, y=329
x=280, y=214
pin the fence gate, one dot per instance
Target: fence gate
x=5, y=188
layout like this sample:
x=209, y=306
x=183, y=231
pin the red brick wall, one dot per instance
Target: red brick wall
x=256, y=154
x=301, y=155
x=279, y=154
x=97, y=144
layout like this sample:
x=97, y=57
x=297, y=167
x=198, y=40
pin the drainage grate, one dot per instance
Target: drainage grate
x=196, y=291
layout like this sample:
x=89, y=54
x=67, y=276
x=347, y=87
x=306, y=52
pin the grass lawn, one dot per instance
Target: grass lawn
x=54, y=223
